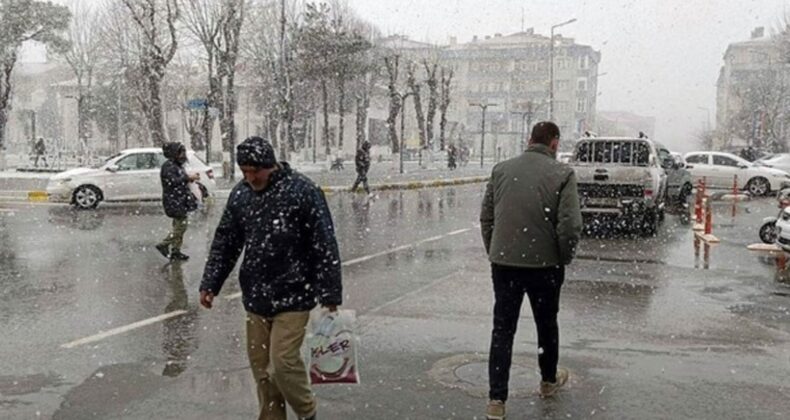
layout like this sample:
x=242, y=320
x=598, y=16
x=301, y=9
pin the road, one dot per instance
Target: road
x=98, y=325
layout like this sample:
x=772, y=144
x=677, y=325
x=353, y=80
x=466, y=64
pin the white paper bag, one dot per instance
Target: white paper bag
x=333, y=349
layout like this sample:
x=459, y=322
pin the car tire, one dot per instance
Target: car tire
x=758, y=187
x=768, y=233
x=87, y=197
x=650, y=223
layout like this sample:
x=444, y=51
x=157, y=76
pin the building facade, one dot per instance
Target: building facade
x=746, y=65
x=512, y=74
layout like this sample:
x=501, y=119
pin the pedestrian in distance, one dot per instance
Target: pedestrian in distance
x=40, y=151
x=452, y=155
x=177, y=199
x=531, y=223
x=281, y=220
x=362, y=162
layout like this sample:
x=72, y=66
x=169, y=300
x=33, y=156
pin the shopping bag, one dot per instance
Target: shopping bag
x=194, y=188
x=333, y=349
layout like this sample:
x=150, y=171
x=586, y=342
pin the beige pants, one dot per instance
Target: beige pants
x=278, y=340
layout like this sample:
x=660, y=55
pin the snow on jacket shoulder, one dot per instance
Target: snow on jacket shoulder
x=291, y=258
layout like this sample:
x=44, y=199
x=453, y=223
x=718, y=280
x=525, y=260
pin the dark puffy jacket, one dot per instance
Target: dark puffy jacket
x=362, y=161
x=177, y=199
x=291, y=259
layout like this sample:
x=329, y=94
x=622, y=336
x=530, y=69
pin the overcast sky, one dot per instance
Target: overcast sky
x=662, y=57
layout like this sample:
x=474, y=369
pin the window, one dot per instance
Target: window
x=581, y=84
x=581, y=105
x=698, y=159
x=622, y=152
x=725, y=161
x=128, y=163
x=584, y=62
x=562, y=85
x=562, y=64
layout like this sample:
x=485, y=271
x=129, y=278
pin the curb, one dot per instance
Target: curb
x=40, y=196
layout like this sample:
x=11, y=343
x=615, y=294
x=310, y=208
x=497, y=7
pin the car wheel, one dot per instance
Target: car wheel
x=650, y=223
x=768, y=233
x=758, y=187
x=87, y=197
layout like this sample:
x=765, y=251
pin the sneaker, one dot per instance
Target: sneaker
x=178, y=256
x=548, y=389
x=495, y=410
x=164, y=249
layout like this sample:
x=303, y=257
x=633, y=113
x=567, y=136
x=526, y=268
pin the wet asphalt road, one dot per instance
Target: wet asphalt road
x=647, y=330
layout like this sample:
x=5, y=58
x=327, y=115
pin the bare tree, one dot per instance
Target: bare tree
x=231, y=24
x=762, y=118
x=395, y=104
x=433, y=98
x=444, y=104
x=417, y=97
x=22, y=21
x=83, y=58
x=157, y=50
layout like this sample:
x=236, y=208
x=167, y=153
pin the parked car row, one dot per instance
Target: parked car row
x=721, y=169
x=131, y=175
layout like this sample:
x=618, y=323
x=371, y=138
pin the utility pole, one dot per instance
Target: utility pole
x=483, y=107
x=551, y=66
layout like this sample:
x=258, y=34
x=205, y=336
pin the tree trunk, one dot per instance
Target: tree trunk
x=432, y=100
x=325, y=111
x=415, y=90
x=3, y=122
x=5, y=95
x=156, y=123
x=341, y=111
x=363, y=103
x=394, y=103
x=444, y=104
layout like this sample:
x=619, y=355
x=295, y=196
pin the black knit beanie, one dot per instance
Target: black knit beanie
x=255, y=151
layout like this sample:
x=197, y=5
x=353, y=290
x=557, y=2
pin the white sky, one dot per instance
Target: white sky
x=662, y=56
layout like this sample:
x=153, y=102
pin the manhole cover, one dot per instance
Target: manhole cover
x=469, y=372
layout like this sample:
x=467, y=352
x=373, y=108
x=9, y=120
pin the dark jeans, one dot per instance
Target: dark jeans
x=362, y=178
x=542, y=286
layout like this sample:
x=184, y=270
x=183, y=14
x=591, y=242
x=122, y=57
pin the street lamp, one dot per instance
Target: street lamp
x=483, y=107
x=551, y=66
x=526, y=122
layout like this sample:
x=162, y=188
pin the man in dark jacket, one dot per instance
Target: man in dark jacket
x=280, y=219
x=531, y=223
x=362, y=162
x=177, y=199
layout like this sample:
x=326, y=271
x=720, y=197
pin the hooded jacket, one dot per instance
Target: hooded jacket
x=291, y=259
x=177, y=199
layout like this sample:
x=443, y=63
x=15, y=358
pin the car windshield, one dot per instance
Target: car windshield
x=106, y=161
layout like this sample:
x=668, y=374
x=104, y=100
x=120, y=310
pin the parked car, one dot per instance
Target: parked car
x=719, y=169
x=621, y=177
x=679, y=181
x=779, y=161
x=131, y=175
x=782, y=229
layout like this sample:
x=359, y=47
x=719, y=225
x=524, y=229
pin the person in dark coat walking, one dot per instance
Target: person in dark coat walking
x=452, y=155
x=177, y=199
x=281, y=220
x=362, y=161
x=40, y=149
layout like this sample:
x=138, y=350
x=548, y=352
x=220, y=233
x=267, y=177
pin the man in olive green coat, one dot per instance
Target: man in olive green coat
x=531, y=223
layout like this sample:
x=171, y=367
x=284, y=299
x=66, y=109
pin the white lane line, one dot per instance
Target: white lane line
x=123, y=329
x=149, y=321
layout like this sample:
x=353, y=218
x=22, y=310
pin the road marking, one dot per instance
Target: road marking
x=123, y=329
x=149, y=321
x=383, y=253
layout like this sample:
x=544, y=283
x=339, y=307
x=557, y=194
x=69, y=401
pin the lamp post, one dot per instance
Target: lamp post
x=526, y=122
x=483, y=107
x=551, y=66
x=402, y=97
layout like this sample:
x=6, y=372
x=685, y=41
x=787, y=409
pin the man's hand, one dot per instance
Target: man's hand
x=194, y=177
x=330, y=308
x=206, y=299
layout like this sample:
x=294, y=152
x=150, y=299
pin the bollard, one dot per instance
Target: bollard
x=781, y=261
x=698, y=204
x=708, y=218
x=706, y=257
x=735, y=196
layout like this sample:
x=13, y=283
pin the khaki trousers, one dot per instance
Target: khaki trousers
x=273, y=346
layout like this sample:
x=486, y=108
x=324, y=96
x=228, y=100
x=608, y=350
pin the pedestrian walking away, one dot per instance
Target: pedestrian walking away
x=362, y=161
x=177, y=199
x=40, y=150
x=452, y=155
x=531, y=223
x=281, y=220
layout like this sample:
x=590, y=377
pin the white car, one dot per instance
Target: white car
x=720, y=169
x=783, y=230
x=131, y=175
x=779, y=161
